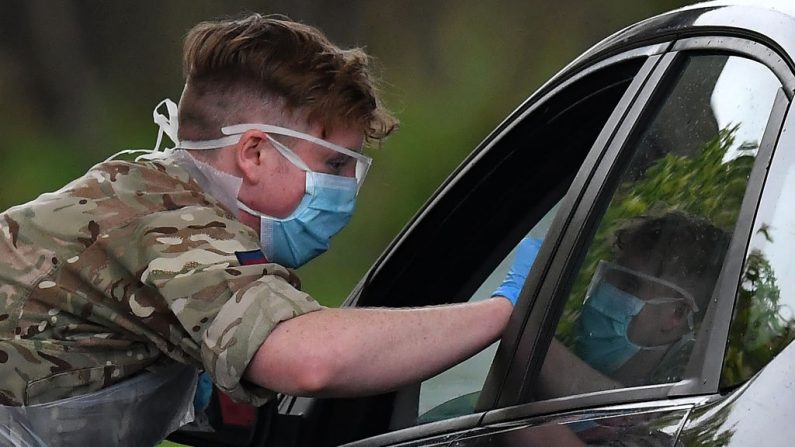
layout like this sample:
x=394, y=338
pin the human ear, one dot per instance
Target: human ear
x=250, y=155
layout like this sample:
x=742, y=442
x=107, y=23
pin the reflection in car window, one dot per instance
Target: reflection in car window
x=646, y=280
x=763, y=322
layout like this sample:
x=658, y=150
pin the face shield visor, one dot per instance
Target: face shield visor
x=168, y=126
x=647, y=289
x=235, y=132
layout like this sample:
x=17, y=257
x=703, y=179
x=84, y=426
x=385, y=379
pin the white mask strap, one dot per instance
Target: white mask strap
x=210, y=144
x=267, y=128
x=291, y=156
x=168, y=124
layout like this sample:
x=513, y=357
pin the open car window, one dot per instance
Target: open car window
x=507, y=205
x=456, y=391
x=645, y=280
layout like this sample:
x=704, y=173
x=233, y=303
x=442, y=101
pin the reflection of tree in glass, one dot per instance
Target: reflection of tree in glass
x=705, y=186
x=709, y=427
x=758, y=331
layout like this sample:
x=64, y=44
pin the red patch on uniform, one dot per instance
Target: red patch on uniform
x=252, y=257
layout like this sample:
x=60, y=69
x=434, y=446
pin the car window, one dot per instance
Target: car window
x=455, y=392
x=763, y=321
x=570, y=124
x=646, y=278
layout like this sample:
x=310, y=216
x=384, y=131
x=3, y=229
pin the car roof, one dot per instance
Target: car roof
x=769, y=21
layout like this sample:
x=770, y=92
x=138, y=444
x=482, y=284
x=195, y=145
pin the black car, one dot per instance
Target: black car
x=678, y=125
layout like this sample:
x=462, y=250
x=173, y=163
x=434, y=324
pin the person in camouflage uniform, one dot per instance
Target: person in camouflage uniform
x=126, y=264
x=141, y=263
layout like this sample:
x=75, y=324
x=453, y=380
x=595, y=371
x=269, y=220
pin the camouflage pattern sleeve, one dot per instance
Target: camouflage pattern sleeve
x=122, y=267
x=224, y=310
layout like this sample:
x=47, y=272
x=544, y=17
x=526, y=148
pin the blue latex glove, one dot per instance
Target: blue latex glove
x=526, y=253
x=204, y=391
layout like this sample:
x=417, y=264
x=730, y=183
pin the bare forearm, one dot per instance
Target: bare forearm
x=564, y=374
x=347, y=352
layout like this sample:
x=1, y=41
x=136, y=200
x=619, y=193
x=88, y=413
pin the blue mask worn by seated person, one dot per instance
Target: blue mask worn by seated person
x=326, y=207
x=603, y=339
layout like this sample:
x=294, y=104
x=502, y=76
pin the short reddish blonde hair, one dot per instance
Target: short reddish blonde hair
x=271, y=61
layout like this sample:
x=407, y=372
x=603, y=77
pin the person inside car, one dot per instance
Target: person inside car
x=633, y=315
x=638, y=317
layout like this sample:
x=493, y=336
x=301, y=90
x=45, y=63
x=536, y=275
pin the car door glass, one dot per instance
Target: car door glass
x=645, y=282
x=763, y=321
x=454, y=392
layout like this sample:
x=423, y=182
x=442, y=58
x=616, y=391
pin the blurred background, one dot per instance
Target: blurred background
x=79, y=79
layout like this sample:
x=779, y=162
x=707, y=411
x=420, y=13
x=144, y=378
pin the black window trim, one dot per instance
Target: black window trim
x=782, y=160
x=751, y=49
x=516, y=391
x=563, y=404
x=588, y=185
x=506, y=351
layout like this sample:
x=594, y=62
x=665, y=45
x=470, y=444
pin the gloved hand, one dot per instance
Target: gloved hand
x=526, y=253
x=204, y=392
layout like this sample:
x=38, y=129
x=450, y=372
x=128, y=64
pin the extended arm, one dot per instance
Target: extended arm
x=349, y=352
x=565, y=374
x=345, y=352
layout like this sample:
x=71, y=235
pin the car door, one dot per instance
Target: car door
x=689, y=159
x=459, y=246
x=669, y=208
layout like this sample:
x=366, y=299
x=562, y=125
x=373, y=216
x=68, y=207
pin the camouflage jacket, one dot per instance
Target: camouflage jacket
x=128, y=265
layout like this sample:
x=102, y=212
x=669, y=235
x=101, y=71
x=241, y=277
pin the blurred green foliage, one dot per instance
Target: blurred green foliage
x=759, y=331
x=78, y=80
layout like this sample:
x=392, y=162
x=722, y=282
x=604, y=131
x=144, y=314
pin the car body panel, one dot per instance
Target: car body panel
x=771, y=22
x=759, y=412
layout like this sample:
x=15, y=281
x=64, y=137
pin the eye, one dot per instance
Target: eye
x=338, y=163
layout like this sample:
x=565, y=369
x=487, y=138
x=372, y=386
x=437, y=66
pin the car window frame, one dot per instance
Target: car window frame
x=522, y=335
x=592, y=158
x=512, y=344
x=531, y=352
x=769, y=202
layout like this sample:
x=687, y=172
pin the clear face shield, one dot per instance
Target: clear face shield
x=168, y=125
x=235, y=132
x=645, y=288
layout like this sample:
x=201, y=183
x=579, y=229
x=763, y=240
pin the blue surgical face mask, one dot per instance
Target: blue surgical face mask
x=603, y=340
x=326, y=207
